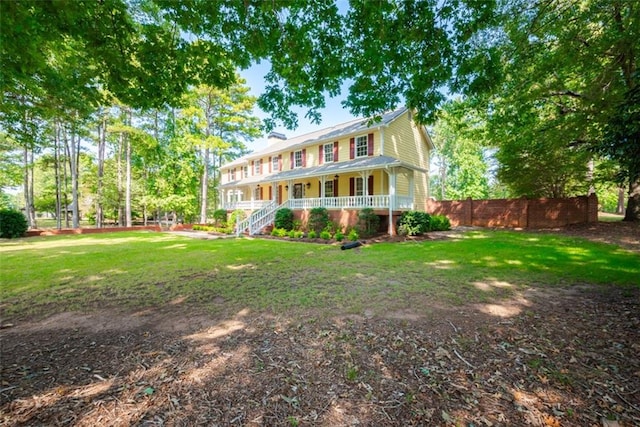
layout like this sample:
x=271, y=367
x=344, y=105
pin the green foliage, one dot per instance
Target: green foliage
x=213, y=229
x=235, y=217
x=318, y=219
x=12, y=224
x=312, y=234
x=339, y=236
x=220, y=216
x=461, y=154
x=293, y=234
x=622, y=144
x=284, y=219
x=324, y=234
x=368, y=222
x=413, y=223
x=279, y=232
x=353, y=235
x=439, y=223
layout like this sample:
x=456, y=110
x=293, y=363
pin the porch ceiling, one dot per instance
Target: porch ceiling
x=365, y=163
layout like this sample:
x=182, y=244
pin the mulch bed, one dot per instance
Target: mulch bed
x=561, y=357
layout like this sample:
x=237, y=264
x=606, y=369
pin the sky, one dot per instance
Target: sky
x=334, y=113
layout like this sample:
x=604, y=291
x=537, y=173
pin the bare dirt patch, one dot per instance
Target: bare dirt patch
x=557, y=357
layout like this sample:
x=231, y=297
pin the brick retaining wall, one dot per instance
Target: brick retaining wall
x=517, y=213
x=56, y=232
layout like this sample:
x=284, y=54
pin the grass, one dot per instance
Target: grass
x=142, y=269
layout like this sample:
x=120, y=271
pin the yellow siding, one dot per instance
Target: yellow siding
x=402, y=185
x=403, y=140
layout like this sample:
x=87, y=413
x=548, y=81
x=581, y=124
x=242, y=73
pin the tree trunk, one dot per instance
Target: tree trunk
x=621, y=196
x=32, y=211
x=29, y=210
x=119, y=179
x=204, y=187
x=102, y=142
x=73, y=152
x=633, y=203
x=27, y=193
x=56, y=162
x=127, y=196
x=65, y=181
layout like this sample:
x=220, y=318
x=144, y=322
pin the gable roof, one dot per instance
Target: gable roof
x=323, y=135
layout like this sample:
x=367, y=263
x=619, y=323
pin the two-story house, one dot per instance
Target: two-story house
x=359, y=164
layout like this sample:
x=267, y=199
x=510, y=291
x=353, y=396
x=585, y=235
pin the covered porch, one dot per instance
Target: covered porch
x=381, y=183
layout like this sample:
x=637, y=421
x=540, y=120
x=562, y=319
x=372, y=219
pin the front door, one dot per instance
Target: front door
x=297, y=191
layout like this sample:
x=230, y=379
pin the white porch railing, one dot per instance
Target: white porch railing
x=374, y=202
x=246, y=205
x=404, y=203
x=258, y=219
x=265, y=215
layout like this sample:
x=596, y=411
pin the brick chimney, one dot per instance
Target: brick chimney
x=274, y=137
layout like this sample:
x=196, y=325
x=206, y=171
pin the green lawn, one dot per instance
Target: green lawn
x=140, y=269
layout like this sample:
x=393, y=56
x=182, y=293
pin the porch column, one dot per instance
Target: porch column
x=223, y=199
x=252, y=189
x=274, y=192
x=365, y=182
x=392, y=200
x=412, y=189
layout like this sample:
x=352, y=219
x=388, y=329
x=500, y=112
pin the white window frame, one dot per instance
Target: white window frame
x=359, y=187
x=256, y=167
x=245, y=171
x=233, y=174
x=362, y=146
x=329, y=191
x=297, y=159
x=275, y=164
x=256, y=193
x=328, y=153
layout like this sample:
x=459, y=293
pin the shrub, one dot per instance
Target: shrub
x=324, y=234
x=236, y=216
x=279, y=232
x=220, y=216
x=284, y=219
x=318, y=219
x=439, y=223
x=312, y=234
x=413, y=223
x=368, y=222
x=12, y=224
x=339, y=236
x=353, y=235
